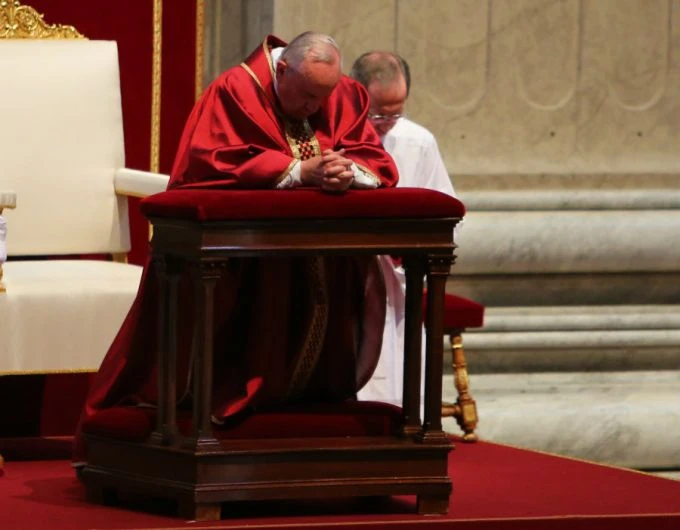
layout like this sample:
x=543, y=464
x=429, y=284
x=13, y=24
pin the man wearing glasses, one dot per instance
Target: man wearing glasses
x=387, y=79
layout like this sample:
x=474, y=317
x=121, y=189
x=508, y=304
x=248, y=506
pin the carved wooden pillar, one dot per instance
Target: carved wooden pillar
x=205, y=274
x=438, y=268
x=415, y=270
x=168, y=272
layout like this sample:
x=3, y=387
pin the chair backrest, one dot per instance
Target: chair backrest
x=61, y=133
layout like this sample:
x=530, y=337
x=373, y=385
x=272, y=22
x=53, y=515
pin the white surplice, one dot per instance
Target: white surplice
x=420, y=165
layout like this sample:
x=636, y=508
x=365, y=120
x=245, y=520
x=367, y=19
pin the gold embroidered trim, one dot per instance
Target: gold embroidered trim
x=252, y=74
x=287, y=124
x=200, y=47
x=268, y=55
x=311, y=349
x=154, y=161
x=24, y=22
x=264, y=92
x=293, y=144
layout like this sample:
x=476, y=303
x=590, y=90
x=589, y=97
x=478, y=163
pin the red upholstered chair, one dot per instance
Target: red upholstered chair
x=460, y=314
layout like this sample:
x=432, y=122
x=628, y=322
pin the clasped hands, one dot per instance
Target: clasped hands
x=330, y=171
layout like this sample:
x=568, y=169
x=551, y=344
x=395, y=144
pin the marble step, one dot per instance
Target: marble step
x=572, y=199
x=575, y=338
x=609, y=291
x=544, y=340
x=579, y=318
x=628, y=419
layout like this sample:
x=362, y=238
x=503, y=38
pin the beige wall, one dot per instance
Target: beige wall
x=520, y=88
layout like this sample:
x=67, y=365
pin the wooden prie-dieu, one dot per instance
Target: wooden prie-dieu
x=200, y=230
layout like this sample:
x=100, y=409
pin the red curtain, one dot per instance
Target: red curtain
x=133, y=24
x=142, y=28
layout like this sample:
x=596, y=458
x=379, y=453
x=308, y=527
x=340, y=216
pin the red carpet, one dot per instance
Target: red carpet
x=495, y=487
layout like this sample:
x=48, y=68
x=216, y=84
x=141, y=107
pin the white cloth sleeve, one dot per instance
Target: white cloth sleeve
x=363, y=180
x=292, y=179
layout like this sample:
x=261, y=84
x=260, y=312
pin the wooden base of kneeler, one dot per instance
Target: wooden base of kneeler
x=247, y=470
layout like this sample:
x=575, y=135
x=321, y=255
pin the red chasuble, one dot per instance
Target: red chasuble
x=286, y=330
x=236, y=135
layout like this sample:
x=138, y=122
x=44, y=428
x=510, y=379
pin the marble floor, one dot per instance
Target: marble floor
x=629, y=419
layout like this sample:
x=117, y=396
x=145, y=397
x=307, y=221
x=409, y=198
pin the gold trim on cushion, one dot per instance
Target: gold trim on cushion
x=200, y=47
x=154, y=161
x=24, y=22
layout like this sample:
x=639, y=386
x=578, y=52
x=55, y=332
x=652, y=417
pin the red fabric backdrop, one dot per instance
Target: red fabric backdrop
x=50, y=404
x=131, y=24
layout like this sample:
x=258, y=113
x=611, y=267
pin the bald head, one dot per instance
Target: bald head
x=382, y=67
x=311, y=47
x=309, y=69
x=387, y=79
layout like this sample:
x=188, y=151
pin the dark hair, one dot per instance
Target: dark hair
x=382, y=66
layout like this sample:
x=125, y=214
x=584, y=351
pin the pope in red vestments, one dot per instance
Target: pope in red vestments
x=286, y=330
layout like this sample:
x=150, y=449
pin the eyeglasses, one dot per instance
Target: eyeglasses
x=384, y=117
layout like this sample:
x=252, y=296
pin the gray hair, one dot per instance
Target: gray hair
x=311, y=46
x=385, y=67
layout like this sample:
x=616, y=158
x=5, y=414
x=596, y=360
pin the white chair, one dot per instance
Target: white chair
x=63, y=156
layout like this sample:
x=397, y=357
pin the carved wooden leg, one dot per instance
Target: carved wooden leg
x=437, y=272
x=168, y=272
x=205, y=276
x=465, y=409
x=415, y=270
x=433, y=504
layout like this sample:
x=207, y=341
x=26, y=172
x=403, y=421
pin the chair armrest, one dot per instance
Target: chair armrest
x=135, y=183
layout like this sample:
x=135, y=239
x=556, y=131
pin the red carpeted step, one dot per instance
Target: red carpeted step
x=495, y=488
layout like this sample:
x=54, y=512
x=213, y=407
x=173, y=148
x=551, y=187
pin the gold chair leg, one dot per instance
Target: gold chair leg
x=465, y=407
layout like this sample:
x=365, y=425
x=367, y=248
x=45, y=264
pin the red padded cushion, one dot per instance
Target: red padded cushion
x=301, y=203
x=459, y=312
x=357, y=418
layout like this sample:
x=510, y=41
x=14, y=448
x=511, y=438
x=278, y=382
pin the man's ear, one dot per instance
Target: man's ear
x=281, y=67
